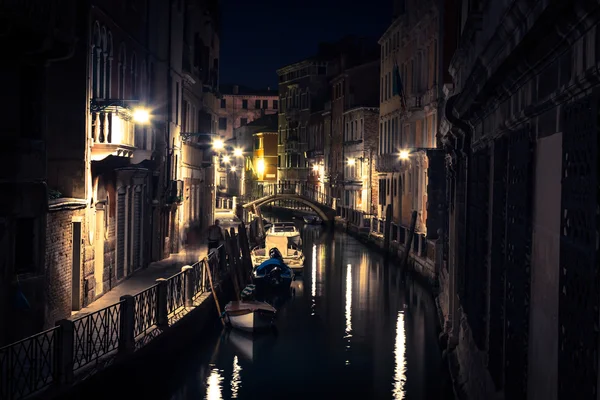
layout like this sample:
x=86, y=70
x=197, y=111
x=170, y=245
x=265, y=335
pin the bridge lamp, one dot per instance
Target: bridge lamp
x=404, y=154
x=260, y=166
x=218, y=144
x=141, y=116
x=315, y=167
x=351, y=161
x=232, y=169
x=238, y=152
x=226, y=159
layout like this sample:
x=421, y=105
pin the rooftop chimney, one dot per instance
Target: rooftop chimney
x=236, y=89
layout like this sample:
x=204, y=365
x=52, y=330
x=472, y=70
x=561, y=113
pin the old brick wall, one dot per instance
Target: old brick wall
x=59, y=242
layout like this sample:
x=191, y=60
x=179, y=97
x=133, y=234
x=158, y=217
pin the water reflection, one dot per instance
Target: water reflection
x=213, y=384
x=348, y=313
x=399, y=353
x=313, y=283
x=236, y=380
x=389, y=339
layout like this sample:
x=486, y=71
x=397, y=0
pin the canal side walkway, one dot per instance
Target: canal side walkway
x=145, y=278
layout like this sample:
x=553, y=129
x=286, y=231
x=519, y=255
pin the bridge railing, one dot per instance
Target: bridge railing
x=305, y=189
x=80, y=346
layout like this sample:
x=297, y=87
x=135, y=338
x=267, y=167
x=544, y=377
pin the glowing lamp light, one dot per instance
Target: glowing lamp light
x=351, y=161
x=226, y=159
x=238, y=152
x=232, y=168
x=260, y=166
x=404, y=154
x=141, y=116
x=315, y=167
x=218, y=144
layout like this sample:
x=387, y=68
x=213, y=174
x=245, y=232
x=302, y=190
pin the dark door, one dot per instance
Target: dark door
x=76, y=268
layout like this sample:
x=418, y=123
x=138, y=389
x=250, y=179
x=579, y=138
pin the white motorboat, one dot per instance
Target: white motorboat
x=249, y=316
x=286, y=229
x=291, y=252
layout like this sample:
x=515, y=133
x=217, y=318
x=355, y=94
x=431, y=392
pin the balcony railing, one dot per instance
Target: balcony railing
x=414, y=103
x=388, y=163
x=430, y=96
x=113, y=133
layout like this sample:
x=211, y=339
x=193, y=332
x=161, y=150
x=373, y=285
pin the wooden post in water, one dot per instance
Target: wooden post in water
x=212, y=289
x=261, y=226
x=245, y=248
x=230, y=253
x=387, y=233
x=237, y=260
x=411, y=234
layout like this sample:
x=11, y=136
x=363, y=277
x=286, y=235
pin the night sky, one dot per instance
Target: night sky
x=260, y=36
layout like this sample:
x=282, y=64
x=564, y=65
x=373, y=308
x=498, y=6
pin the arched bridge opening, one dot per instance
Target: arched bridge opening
x=288, y=195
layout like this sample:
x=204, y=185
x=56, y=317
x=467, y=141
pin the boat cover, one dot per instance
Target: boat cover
x=249, y=306
x=266, y=266
x=281, y=242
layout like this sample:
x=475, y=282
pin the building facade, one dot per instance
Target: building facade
x=113, y=174
x=241, y=105
x=409, y=93
x=302, y=86
x=360, y=145
x=521, y=290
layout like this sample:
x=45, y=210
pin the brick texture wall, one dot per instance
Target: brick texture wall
x=59, y=242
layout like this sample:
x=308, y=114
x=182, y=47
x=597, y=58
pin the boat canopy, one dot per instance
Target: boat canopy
x=281, y=242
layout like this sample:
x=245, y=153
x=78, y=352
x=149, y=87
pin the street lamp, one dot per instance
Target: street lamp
x=226, y=159
x=315, y=167
x=238, y=152
x=404, y=154
x=218, y=144
x=232, y=169
x=351, y=161
x=140, y=114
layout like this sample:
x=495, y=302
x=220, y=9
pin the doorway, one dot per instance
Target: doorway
x=76, y=268
x=99, y=252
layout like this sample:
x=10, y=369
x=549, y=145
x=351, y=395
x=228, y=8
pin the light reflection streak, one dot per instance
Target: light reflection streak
x=400, y=356
x=236, y=379
x=348, y=332
x=313, y=284
x=213, y=385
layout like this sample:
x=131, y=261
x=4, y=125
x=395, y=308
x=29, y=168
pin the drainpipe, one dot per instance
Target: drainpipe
x=465, y=153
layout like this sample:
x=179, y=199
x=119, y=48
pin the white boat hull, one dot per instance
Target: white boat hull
x=250, y=316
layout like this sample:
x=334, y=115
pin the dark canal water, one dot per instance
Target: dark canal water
x=353, y=329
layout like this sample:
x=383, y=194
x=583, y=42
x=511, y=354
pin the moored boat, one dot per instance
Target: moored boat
x=291, y=253
x=273, y=274
x=249, y=316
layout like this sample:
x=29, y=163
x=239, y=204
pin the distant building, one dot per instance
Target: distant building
x=409, y=119
x=241, y=105
x=302, y=86
x=258, y=143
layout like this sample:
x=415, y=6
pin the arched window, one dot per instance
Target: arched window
x=96, y=48
x=103, y=56
x=150, y=87
x=122, y=71
x=108, y=65
x=134, y=83
x=144, y=82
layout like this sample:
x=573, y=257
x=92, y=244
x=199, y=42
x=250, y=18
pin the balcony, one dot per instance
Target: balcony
x=414, y=103
x=388, y=163
x=113, y=133
x=291, y=146
x=175, y=192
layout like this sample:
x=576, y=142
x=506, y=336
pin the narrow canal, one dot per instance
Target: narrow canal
x=355, y=328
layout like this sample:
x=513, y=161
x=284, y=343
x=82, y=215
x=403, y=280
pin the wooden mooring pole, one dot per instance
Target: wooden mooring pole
x=411, y=234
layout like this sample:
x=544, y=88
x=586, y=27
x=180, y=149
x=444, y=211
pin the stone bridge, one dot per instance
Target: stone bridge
x=304, y=193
